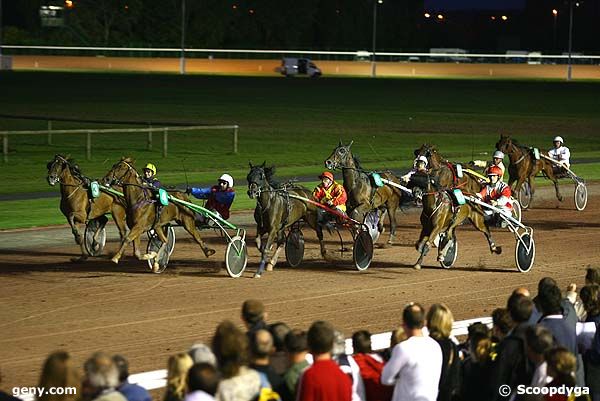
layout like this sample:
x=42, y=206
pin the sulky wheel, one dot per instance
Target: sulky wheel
x=362, y=252
x=155, y=244
x=236, y=256
x=580, y=196
x=525, y=253
x=524, y=195
x=95, y=236
x=452, y=253
x=294, y=247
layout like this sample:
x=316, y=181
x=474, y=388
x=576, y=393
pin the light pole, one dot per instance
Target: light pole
x=182, y=57
x=569, y=67
x=373, y=62
x=555, y=15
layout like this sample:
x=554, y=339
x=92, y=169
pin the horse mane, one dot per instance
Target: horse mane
x=356, y=159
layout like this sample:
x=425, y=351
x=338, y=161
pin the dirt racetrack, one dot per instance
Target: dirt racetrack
x=50, y=303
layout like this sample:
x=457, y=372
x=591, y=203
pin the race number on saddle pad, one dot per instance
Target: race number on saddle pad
x=458, y=196
x=94, y=189
x=377, y=179
x=459, y=171
x=163, y=197
x=536, y=153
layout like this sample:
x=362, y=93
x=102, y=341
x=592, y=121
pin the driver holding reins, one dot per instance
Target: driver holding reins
x=560, y=152
x=419, y=166
x=497, y=160
x=496, y=193
x=330, y=193
x=149, y=177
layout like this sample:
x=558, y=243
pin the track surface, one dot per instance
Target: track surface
x=50, y=303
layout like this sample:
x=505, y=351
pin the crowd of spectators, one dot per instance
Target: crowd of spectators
x=533, y=341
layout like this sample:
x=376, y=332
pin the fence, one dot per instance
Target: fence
x=89, y=132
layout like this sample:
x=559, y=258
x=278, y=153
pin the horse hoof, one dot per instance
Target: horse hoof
x=155, y=267
x=256, y=275
x=497, y=250
x=208, y=252
x=417, y=267
x=269, y=267
x=440, y=258
x=387, y=245
x=149, y=256
x=79, y=259
x=115, y=260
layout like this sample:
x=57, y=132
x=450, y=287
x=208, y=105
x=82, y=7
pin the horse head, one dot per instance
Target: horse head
x=340, y=157
x=258, y=179
x=119, y=171
x=431, y=153
x=504, y=144
x=422, y=183
x=56, y=167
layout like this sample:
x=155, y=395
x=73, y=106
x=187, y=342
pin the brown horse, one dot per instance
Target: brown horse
x=276, y=211
x=524, y=167
x=363, y=196
x=76, y=204
x=144, y=214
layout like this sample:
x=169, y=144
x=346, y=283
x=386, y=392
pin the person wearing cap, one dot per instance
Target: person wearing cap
x=497, y=194
x=330, y=193
x=218, y=197
x=560, y=153
x=419, y=166
x=497, y=160
x=149, y=177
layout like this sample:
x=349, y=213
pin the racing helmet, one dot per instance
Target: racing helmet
x=228, y=179
x=558, y=139
x=327, y=174
x=494, y=170
x=498, y=155
x=421, y=159
x=151, y=167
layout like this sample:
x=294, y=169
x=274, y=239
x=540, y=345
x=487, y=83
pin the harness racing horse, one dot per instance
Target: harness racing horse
x=275, y=211
x=363, y=196
x=143, y=213
x=76, y=204
x=524, y=167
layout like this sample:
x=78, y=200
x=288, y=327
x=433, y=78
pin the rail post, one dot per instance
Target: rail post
x=165, y=141
x=88, y=146
x=49, y=132
x=5, y=148
x=150, y=137
x=235, y=139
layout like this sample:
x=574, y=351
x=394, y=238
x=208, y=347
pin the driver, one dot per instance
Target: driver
x=219, y=197
x=330, y=193
x=560, y=153
x=149, y=177
x=497, y=160
x=496, y=193
x=419, y=165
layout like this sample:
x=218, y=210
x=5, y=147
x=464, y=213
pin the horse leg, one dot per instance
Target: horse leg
x=135, y=232
x=479, y=223
x=265, y=253
x=393, y=223
x=153, y=255
x=189, y=223
x=79, y=240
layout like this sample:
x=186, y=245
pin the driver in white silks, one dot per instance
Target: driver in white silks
x=561, y=154
x=419, y=165
x=496, y=193
x=497, y=160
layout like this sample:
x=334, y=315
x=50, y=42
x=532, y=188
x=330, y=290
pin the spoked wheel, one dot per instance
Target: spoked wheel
x=294, y=247
x=372, y=223
x=524, y=195
x=517, y=213
x=580, y=196
x=525, y=253
x=95, y=236
x=236, y=256
x=362, y=252
x=451, y=254
x=154, y=245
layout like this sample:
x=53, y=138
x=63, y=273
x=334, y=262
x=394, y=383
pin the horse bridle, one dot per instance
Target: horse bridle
x=119, y=181
x=517, y=147
x=76, y=176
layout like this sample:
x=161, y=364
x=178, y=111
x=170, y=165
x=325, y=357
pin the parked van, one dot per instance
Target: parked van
x=299, y=66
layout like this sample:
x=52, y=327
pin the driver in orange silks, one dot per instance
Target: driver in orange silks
x=330, y=193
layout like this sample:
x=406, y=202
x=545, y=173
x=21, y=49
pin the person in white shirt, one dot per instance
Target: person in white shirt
x=497, y=160
x=415, y=366
x=419, y=165
x=560, y=152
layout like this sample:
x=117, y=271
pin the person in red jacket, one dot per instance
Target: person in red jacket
x=218, y=197
x=496, y=193
x=371, y=365
x=324, y=380
x=330, y=193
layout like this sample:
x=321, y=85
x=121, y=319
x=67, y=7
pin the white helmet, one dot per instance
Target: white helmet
x=558, y=139
x=228, y=179
x=498, y=155
x=421, y=159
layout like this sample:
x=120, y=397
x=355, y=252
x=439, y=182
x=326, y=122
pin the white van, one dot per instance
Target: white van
x=299, y=66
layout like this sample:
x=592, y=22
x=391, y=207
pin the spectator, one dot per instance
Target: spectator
x=592, y=276
x=201, y=353
x=348, y=366
x=416, y=364
x=5, y=396
x=177, y=370
x=324, y=380
x=439, y=324
x=539, y=341
x=102, y=378
x=370, y=366
x=261, y=348
x=591, y=302
x=396, y=337
x=561, y=367
x=552, y=317
x=253, y=316
x=502, y=324
x=238, y=383
x=476, y=368
x=592, y=366
x=202, y=379
x=58, y=371
x=297, y=348
x=131, y=391
x=511, y=366
x=464, y=349
x=567, y=308
x=279, y=358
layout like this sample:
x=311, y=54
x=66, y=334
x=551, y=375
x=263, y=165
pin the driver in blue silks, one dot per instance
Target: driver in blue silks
x=219, y=197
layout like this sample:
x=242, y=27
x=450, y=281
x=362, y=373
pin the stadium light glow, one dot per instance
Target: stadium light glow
x=427, y=15
x=504, y=18
x=554, y=12
x=440, y=17
x=69, y=3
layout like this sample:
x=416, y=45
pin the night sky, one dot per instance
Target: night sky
x=474, y=4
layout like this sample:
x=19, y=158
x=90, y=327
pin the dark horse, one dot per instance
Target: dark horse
x=363, y=196
x=276, y=211
x=524, y=167
x=143, y=213
x=76, y=204
x=440, y=214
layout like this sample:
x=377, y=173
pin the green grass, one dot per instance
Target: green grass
x=291, y=123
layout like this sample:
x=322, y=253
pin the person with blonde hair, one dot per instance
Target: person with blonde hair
x=562, y=365
x=177, y=371
x=58, y=371
x=102, y=378
x=439, y=324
